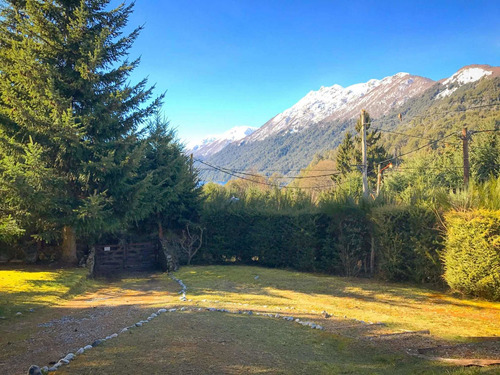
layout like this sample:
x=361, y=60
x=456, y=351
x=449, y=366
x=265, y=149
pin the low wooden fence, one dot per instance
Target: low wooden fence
x=128, y=257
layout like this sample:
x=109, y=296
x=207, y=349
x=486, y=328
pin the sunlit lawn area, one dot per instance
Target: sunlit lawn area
x=400, y=306
x=220, y=343
x=26, y=287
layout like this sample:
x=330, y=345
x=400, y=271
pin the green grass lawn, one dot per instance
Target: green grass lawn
x=402, y=307
x=26, y=287
x=221, y=343
x=218, y=343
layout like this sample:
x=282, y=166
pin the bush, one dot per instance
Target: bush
x=408, y=244
x=472, y=253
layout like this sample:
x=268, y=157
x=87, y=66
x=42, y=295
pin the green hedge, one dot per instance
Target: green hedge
x=338, y=241
x=335, y=243
x=472, y=255
x=408, y=244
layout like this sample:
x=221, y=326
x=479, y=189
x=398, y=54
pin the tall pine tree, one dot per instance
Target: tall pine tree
x=64, y=84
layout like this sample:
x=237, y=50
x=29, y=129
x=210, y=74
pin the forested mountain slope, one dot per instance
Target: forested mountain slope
x=293, y=147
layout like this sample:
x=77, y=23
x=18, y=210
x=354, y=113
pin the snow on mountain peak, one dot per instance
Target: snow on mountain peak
x=463, y=76
x=214, y=143
x=467, y=75
x=341, y=103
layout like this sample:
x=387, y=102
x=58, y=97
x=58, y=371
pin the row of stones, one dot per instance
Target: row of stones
x=323, y=313
x=249, y=312
x=35, y=370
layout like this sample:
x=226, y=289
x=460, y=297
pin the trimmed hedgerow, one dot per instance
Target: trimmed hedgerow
x=408, y=244
x=472, y=254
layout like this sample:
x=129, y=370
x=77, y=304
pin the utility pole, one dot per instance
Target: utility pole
x=191, y=164
x=465, y=140
x=379, y=179
x=363, y=154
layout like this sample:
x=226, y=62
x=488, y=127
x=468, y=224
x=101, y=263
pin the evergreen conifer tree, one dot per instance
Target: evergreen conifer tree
x=168, y=195
x=64, y=83
x=345, y=154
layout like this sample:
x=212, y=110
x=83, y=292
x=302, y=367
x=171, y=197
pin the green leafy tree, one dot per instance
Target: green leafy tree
x=63, y=82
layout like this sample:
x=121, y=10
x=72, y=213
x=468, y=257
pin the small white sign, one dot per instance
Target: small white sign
x=107, y=248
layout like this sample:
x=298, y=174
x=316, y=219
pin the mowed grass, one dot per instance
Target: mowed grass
x=401, y=307
x=219, y=343
x=26, y=287
x=185, y=342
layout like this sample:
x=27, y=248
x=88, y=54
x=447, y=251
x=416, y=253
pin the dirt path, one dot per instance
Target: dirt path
x=45, y=336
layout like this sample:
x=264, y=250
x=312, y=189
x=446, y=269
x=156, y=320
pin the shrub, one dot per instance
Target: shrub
x=472, y=253
x=408, y=244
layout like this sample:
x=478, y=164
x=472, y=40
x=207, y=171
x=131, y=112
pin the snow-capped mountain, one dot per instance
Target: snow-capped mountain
x=378, y=97
x=319, y=120
x=467, y=74
x=215, y=143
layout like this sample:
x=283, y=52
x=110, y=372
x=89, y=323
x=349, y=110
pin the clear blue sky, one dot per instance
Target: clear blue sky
x=230, y=63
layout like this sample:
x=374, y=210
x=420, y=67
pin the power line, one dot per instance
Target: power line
x=406, y=135
x=223, y=170
x=436, y=113
x=484, y=131
x=418, y=148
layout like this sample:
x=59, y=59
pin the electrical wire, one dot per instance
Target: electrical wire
x=418, y=148
x=406, y=135
x=241, y=174
x=223, y=170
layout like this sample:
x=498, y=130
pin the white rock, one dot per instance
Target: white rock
x=87, y=347
x=70, y=357
x=162, y=311
x=80, y=351
x=124, y=330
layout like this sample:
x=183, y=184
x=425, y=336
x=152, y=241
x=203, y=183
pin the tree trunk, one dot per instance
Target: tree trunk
x=160, y=227
x=69, y=246
x=372, y=256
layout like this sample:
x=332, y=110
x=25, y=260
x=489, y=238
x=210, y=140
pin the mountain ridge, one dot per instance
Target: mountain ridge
x=292, y=146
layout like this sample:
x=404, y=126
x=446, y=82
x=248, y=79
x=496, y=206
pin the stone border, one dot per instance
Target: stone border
x=35, y=370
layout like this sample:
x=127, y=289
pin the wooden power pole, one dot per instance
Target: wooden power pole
x=363, y=154
x=379, y=179
x=191, y=164
x=465, y=140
